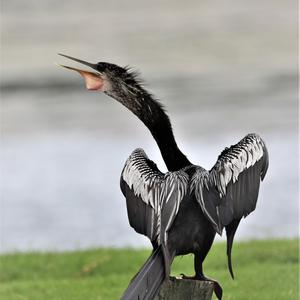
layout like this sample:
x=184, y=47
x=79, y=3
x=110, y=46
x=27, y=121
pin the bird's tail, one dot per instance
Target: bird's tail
x=146, y=283
x=230, y=232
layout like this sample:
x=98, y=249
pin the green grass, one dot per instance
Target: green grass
x=263, y=269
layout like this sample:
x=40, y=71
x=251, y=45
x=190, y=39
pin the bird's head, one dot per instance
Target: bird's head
x=108, y=78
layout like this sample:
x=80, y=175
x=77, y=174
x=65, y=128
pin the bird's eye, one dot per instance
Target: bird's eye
x=101, y=67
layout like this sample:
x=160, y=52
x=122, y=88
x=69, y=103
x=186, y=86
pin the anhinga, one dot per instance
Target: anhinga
x=182, y=210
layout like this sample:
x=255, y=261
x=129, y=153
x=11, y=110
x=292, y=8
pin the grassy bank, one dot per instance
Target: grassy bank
x=263, y=269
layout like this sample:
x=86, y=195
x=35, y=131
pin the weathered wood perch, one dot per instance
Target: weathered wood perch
x=184, y=289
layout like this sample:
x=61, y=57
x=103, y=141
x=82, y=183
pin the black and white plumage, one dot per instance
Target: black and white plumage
x=230, y=189
x=225, y=194
x=182, y=210
x=160, y=194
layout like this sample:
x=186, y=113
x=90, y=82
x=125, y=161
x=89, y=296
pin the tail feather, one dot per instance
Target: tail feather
x=146, y=283
x=230, y=232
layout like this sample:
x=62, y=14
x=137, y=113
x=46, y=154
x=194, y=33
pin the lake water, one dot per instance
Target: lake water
x=62, y=149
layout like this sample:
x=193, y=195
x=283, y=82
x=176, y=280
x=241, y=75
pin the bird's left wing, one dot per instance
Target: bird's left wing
x=230, y=189
x=152, y=197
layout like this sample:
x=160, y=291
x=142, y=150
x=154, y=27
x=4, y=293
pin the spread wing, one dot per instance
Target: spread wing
x=152, y=198
x=230, y=189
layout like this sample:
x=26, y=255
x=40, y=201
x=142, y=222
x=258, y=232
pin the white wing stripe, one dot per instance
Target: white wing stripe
x=230, y=165
x=155, y=189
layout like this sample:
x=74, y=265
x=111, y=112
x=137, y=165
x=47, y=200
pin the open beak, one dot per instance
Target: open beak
x=93, y=80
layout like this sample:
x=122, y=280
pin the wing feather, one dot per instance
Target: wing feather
x=232, y=185
x=152, y=198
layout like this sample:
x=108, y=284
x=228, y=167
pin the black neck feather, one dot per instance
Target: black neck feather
x=152, y=114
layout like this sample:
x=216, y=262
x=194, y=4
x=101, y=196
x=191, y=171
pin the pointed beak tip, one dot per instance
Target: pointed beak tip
x=93, y=66
x=57, y=64
x=62, y=66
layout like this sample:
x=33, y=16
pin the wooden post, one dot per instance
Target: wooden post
x=185, y=289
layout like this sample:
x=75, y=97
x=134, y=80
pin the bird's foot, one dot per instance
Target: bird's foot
x=189, y=277
x=217, y=287
x=182, y=276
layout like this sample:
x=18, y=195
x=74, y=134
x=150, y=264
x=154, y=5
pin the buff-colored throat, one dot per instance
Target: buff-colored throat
x=93, y=81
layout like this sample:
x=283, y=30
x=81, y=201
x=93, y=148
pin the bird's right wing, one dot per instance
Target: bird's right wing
x=153, y=198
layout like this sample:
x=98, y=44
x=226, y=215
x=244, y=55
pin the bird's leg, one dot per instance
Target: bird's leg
x=198, y=261
x=198, y=269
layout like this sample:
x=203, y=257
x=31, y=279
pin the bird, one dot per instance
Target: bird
x=182, y=210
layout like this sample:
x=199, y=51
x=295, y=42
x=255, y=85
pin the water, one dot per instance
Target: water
x=62, y=148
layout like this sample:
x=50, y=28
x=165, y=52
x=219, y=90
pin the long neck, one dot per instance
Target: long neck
x=151, y=113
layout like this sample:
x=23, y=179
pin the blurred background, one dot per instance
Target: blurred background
x=223, y=69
